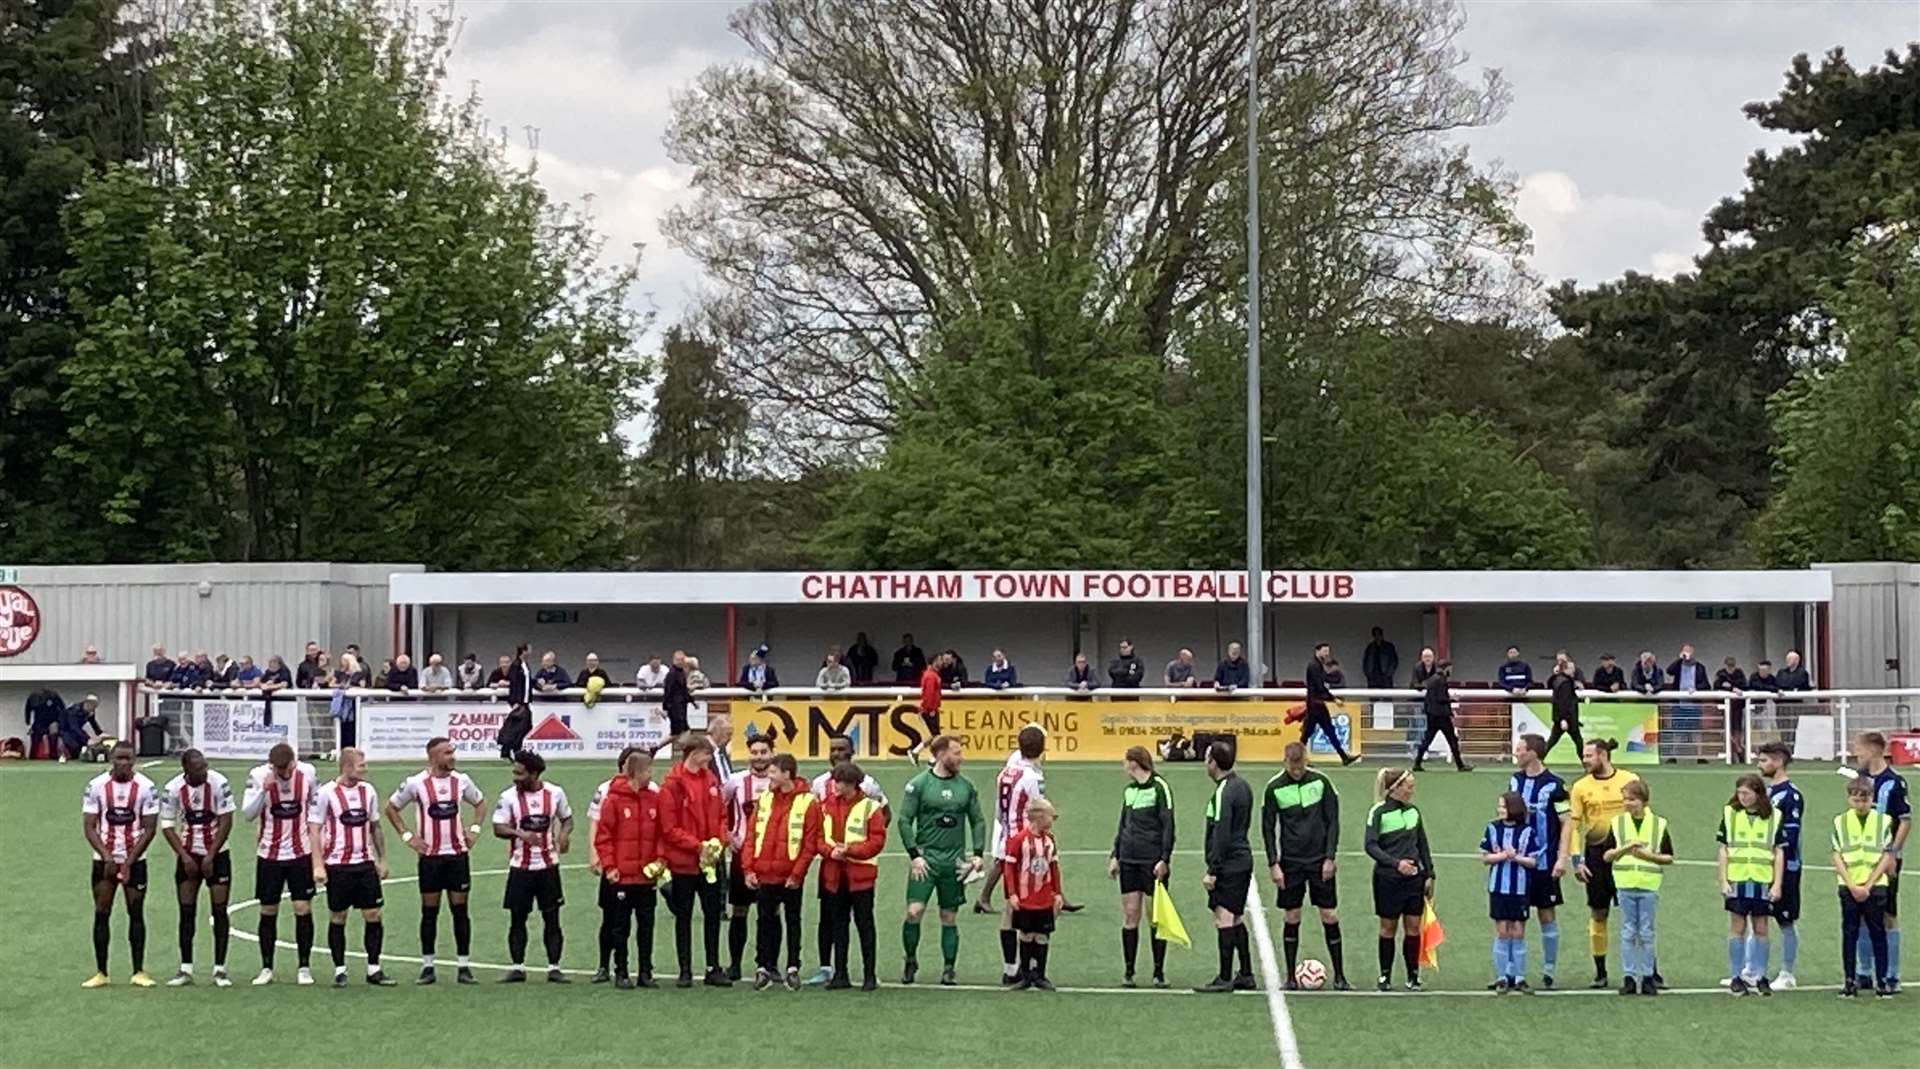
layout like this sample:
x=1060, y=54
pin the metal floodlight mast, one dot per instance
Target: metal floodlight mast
x=1256, y=646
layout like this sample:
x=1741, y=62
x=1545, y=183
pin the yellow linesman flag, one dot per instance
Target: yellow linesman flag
x=1431, y=936
x=1166, y=919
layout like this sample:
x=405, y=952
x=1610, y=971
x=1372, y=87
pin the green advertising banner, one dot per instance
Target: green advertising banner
x=1635, y=725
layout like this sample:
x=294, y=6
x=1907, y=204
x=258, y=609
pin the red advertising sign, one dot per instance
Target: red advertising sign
x=19, y=621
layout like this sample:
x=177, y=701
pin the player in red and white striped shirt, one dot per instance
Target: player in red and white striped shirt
x=119, y=812
x=1020, y=782
x=352, y=860
x=196, y=816
x=278, y=794
x=443, y=847
x=1031, y=871
x=744, y=788
x=534, y=818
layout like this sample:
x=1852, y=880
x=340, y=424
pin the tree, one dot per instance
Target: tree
x=336, y=324
x=75, y=95
x=699, y=429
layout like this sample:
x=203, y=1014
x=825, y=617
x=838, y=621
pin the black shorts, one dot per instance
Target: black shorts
x=1136, y=879
x=1787, y=910
x=735, y=875
x=1230, y=892
x=1508, y=907
x=531, y=888
x=1395, y=895
x=1033, y=921
x=445, y=872
x=1304, y=882
x=222, y=871
x=1543, y=890
x=353, y=887
x=103, y=872
x=1600, y=889
x=1749, y=907
x=271, y=878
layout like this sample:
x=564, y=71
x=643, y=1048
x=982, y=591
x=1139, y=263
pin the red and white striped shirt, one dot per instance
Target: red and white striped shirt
x=121, y=808
x=743, y=790
x=538, y=811
x=280, y=805
x=1031, y=871
x=1019, y=783
x=345, y=813
x=439, y=799
x=197, y=810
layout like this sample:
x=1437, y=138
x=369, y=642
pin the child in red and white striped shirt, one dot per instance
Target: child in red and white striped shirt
x=1030, y=876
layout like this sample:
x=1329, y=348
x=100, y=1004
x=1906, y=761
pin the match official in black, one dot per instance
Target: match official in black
x=1142, y=854
x=1229, y=868
x=1300, y=826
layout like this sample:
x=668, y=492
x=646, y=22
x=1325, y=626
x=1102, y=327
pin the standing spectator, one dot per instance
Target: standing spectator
x=592, y=670
x=1731, y=679
x=309, y=668
x=953, y=670
x=203, y=664
x=1381, y=662
x=1319, y=693
x=1080, y=676
x=1179, y=671
x=1437, y=706
x=1687, y=674
x=1565, y=685
x=90, y=655
x=758, y=674
x=361, y=674
x=1232, y=672
x=1563, y=662
x=1516, y=675
x=246, y=673
x=1336, y=675
x=225, y=672
x=469, y=675
x=322, y=672
x=1126, y=670
x=908, y=661
x=651, y=675
x=833, y=675
x=436, y=677
x=862, y=659
x=929, y=710
x=1608, y=678
x=403, y=676
x=159, y=671
x=502, y=674
x=551, y=678
x=1763, y=677
x=44, y=707
x=1793, y=676
x=1000, y=672
x=519, y=718
x=674, y=698
x=276, y=677
x=1647, y=676
x=1426, y=666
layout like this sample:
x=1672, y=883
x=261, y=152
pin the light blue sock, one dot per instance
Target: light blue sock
x=1893, y=953
x=1519, y=953
x=1549, y=946
x=1499, y=958
x=1736, y=955
x=1757, y=957
x=1863, y=953
x=1789, y=946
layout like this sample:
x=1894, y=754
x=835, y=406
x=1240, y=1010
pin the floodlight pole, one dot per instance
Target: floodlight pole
x=1256, y=647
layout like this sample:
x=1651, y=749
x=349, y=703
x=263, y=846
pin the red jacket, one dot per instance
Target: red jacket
x=693, y=809
x=1030, y=876
x=836, y=874
x=930, y=690
x=627, y=837
x=769, y=859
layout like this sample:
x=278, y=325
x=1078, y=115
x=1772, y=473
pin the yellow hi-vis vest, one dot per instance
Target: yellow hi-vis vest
x=1860, y=841
x=1750, y=845
x=1631, y=873
x=796, y=822
x=854, y=832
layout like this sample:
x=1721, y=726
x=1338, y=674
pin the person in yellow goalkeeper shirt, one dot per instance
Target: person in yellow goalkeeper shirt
x=1596, y=800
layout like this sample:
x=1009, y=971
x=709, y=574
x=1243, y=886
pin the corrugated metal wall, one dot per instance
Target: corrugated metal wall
x=257, y=609
x=1875, y=618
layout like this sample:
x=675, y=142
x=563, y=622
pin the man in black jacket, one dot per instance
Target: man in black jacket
x=1126, y=670
x=1793, y=676
x=861, y=660
x=1437, y=706
x=1319, y=693
x=1300, y=825
x=1608, y=678
x=908, y=662
x=1381, y=662
x=1229, y=869
x=44, y=707
x=519, y=721
x=675, y=697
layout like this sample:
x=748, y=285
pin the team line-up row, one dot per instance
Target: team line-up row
x=728, y=840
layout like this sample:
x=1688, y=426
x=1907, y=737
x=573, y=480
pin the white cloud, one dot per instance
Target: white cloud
x=1592, y=237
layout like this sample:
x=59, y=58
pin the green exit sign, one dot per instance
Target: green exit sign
x=556, y=616
x=1716, y=612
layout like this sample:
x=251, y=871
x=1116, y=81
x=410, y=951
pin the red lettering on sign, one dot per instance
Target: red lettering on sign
x=1343, y=586
x=810, y=587
x=19, y=621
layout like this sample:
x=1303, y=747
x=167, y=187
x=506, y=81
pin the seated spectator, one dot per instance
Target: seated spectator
x=437, y=677
x=592, y=670
x=651, y=675
x=1179, y=671
x=862, y=659
x=551, y=677
x=1687, y=674
x=758, y=674
x=1608, y=677
x=1515, y=675
x=225, y=672
x=833, y=675
x=1000, y=672
x=696, y=679
x=309, y=670
x=1792, y=676
x=159, y=673
x=1763, y=677
x=1730, y=677
x=1080, y=676
x=90, y=655
x=246, y=673
x=1647, y=676
x=502, y=672
x=80, y=729
x=1126, y=670
x=469, y=676
x=1232, y=672
x=276, y=677
x=953, y=671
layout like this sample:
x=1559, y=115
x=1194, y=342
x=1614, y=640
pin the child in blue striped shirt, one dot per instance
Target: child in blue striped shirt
x=1511, y=853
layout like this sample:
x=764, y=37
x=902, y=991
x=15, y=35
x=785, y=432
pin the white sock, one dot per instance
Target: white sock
x=426, y=961
x=339, y=970
x=372, y=968
x=464, y=963
x=1010, y=970
x=187, y=967
x=218, y=970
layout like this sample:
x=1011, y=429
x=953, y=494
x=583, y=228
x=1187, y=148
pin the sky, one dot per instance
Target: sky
x=1625, y=125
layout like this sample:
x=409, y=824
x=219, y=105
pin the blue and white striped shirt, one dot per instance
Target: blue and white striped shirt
x=1546, y=798
x=1509, y=877
x=1788, y=803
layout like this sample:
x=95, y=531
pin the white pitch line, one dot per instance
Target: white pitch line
x=1283, y=1036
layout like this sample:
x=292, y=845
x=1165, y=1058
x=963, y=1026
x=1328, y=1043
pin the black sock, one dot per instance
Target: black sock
x=1130, y=947
x=1290, y=939
x=1386, y=955
x=1159, y=956
x=1040, y=960
x=517, y=939
x=737, y=938
x=1410, y=950
x=1009, y=944
x=462, y=930
x=1225, y=938
x=102, y=936
x=552, y=935
x=337, y=943
x=1334, y=956
x=1241, y=939
x=187, y=912
x=269, y=932
x=606, y=939
x=1599, y=965
x=429, y=929
x=137, y=934
x=303, y=938
x=222, y=927
x=1023, y=962
x=376, y=937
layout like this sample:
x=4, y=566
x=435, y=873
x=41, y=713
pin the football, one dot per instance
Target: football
x=1311, y=975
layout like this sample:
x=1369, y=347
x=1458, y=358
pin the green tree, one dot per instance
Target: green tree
x=337, y=325
x=75, y=95
x=693, y=454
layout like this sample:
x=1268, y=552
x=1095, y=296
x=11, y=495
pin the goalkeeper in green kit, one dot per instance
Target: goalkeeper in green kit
x=939, y=809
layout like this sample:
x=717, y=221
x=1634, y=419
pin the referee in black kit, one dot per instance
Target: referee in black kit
x=1229, y=868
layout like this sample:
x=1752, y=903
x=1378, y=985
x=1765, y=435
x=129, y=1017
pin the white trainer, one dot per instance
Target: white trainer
x=304, y=978
x=180, y=979
x=265, y=978
x=220, y=978
x=1785, y=982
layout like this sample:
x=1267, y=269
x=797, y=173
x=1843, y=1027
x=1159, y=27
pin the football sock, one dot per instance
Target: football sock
x=1597, y=937
x=1040, y=960
x=1130, y=947
x=376, y=937
x=1224, y=936
x=1410, y=953
x=1500, y=958
x=303, y=938
x=462, y=930
x=1893, y=953
x=269, y=932
x=102, y=935
x=1290, y=939
x=137, y=934
x=1386, y=955
x=1789, y=946
x=552, y=935
x=949, y=943
x=1241, y=942
x=517, y=939
x=1757, y=952
x=1736, y=955
x=429, y=932
x=910, y=940
x=1334, y=955
x=187, y=913
x=337, y=944
x=222, y=928
x=1549, y=946
x=1159, y=956
x=1517, y=950
x=736, y=938
x=1009, y=947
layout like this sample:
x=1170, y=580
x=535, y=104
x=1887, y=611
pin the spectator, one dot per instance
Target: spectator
x=203, y=665
x=1000, y=672
x=1647, y=677
x=246, y=673
x=758, y=674
x=908, y=661
x=159, y=673
x=551, y=678
x=1231, y=672
x=80, y=729
x=400, y=675
x=833, y=675
x=519, y=719
x=502, y=674
x=356, y=669
x=44, y=709
x=358, y=657
x=674, y=697
x=90, y=655
x=187, y=674
x=1380, y=662
x=1562, y=660
x=696, y=679
x=833, y=651
x=1687, y=674
x=592, y=670
x=953, y=671
x=1424, y=668
x=1730, y=677
x=1763, y=677
x=862, y=659
x=225, y=672
x=651, y=675
x=1793, y=676
x=1080, y=676
x=469, y=676
x=1608, y=677
x=1515, y=675
x=309, y=669
x=322, y=671
x=276, y=678
x=1565, y=685
x=1336, y=676
x=1126, y=670
x=1179, y=671
x=437, y=677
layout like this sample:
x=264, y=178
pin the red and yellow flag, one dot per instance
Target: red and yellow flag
x=1431, y=936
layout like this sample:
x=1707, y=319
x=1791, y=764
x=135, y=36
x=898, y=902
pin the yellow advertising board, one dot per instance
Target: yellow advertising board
x=1078, y=729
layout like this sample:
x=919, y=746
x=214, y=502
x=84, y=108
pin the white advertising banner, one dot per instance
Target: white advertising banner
x=238, y=728
x=392, y=730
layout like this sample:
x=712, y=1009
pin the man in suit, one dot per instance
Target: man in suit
x=519, y=721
